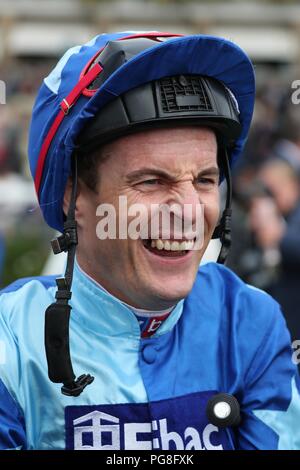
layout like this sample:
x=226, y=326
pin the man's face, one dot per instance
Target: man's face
x=165, y=166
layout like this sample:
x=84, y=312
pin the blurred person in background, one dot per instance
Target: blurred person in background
x=17, y=199
x=275, y=223
x=269, y=102
x=246, y=259
x=287, y=144
x=16, y=192
x=266, y=233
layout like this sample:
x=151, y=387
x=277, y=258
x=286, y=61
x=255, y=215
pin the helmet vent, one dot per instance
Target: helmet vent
x=184, y=93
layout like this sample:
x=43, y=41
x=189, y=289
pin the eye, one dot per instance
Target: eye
x=151, y=182
x=206, y=181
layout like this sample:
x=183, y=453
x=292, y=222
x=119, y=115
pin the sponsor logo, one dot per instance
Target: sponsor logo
x=104, y=428
x=167, y=425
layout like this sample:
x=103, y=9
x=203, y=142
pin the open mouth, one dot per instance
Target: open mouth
x=169, y=248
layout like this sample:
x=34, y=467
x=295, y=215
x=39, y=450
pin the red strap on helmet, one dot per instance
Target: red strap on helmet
x=155, y=35
x=65, y=106
x=151, y=34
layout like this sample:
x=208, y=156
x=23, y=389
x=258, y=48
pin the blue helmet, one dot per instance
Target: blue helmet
x=88, y=80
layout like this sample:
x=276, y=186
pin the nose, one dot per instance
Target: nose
x=188, y=198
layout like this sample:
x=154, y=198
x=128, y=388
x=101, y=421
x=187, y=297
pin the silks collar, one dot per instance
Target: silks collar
x=106, y=315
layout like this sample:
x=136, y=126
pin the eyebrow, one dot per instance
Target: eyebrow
x=212, y=171
x=137, y=174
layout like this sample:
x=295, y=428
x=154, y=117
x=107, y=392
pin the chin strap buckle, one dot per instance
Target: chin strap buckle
x=69, y=238
x=226, y=227
x=63, y=293
x=75, y=388
x=224, y=233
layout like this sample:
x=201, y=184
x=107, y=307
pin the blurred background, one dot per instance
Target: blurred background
x=266, y=222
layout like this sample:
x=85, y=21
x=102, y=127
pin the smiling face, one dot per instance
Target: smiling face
x=164, y=166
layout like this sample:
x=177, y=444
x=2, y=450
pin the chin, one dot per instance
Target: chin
x=171, y=293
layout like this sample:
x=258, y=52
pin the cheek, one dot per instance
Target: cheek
x=86, y=218
x=89, y=226
x=211, y=212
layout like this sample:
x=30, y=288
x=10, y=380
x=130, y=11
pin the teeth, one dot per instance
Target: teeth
x=187, y=245
x=175, y=246
x=159, y=244
x=170, y=245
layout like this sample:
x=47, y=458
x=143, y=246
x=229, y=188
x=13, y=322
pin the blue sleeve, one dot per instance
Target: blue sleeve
x=12, y=426
x=271, y=401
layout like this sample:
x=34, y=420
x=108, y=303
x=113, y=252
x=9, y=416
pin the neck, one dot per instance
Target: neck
x=136, y=307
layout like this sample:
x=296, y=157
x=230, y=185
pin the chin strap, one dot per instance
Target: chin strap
x=223, y=230
x=57, y=319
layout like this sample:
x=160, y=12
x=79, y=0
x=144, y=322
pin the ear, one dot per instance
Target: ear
x=68, y=193
x=82, y=198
